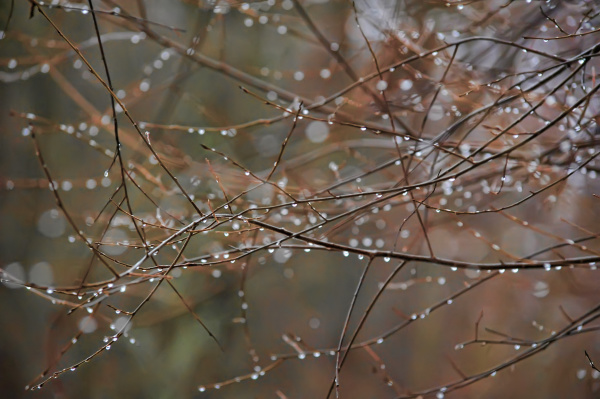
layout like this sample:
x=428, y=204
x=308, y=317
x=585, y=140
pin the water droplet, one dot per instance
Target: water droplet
x=406, y=84
x=325, y=73
x=547, y=266
x=317, y=131
x=381, y=85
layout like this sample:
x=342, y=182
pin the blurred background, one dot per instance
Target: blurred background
x=347, y=100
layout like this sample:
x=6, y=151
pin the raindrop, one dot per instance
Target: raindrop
x=52, y=223
x=547, y=266
x=317, y=131
x=282, y=255
x=314, y=323
x=90, y=184
x=88, y=324
x=436, y=113
x=145, y=85
x=41, y=274
x=13, y=272
x=381, y=85
x=406, y=84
